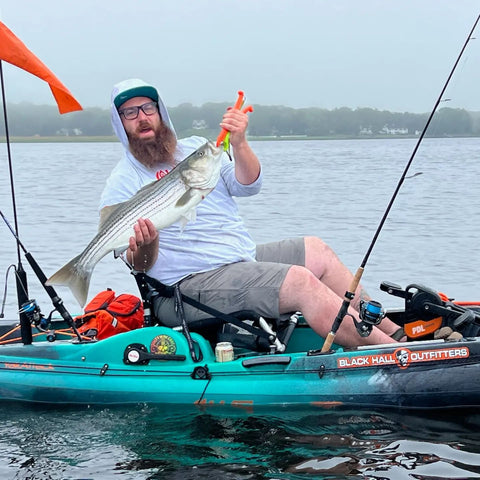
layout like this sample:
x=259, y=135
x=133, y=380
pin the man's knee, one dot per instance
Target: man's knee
x=299, y=284
x=316, y=244
x=319, y=257
x=299, y=279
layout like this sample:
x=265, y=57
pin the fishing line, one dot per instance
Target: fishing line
x=349, y=295
x=458, y=83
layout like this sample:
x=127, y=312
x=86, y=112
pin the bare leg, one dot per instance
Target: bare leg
x=302, y=291
x=322, y=261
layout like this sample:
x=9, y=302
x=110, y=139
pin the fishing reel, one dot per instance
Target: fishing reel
x=34, y=315
x=371, y=314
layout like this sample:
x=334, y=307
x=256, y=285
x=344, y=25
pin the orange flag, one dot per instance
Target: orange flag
x=14, y=51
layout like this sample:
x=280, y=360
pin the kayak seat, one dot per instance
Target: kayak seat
x=244, y=329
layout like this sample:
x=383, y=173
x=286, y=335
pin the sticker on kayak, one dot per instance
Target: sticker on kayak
x=163, y=345
x=403, y=357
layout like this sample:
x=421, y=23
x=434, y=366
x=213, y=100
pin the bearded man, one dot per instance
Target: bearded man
x=214, y=257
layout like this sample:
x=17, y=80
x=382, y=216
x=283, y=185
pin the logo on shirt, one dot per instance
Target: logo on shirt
x=160, y=174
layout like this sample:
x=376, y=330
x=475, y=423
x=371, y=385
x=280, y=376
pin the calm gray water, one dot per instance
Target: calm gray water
x=337, y=190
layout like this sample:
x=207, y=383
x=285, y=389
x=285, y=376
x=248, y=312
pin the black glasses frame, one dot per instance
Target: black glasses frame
x=131, y=113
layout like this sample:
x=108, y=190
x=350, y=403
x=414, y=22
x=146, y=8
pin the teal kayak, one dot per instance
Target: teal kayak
x=155, y=365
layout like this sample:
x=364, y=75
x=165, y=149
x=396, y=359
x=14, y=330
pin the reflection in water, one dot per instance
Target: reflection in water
x=399, y=459
x=157, y=442
x=382, y=458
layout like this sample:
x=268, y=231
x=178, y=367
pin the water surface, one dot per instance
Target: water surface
x=337, y=190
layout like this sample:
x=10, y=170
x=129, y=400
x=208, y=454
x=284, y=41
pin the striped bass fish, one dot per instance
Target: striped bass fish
x=165, y=201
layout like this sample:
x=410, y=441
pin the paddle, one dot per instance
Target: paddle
x=350, y=293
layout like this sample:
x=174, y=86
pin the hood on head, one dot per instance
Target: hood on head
x=134, y=87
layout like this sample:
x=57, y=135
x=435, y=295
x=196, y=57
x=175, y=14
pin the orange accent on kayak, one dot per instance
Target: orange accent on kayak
x=14, y=51
x=422, y=327
x=242, y=403
x=464, y=304
x=326, y=404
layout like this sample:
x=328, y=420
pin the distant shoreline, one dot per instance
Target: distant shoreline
x=61, y=139
x=112, y=138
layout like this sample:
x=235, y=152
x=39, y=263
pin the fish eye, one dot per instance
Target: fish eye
x=200, y=154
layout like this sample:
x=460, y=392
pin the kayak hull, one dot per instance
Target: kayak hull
x=154, y=365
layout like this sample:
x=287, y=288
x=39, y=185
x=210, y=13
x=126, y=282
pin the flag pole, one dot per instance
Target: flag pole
x=20, y=273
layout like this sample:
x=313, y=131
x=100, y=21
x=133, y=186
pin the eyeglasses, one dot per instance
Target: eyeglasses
x=131, y=113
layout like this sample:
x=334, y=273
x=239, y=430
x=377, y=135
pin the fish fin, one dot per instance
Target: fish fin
x=107, y=212
x=185, y=198
x=150, y=185
x=189, y=216
x=77, y=279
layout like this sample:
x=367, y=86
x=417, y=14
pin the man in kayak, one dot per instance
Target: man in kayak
x=214, y=257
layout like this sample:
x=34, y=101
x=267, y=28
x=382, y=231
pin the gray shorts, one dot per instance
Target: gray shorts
x=239, y=286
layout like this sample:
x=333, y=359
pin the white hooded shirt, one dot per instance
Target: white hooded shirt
x=215, y=238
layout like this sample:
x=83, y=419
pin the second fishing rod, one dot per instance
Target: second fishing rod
x=350, y=293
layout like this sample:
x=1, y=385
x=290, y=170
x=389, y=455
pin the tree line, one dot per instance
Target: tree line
x=30, y=120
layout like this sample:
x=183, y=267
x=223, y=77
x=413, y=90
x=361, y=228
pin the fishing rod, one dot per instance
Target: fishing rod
x=350, y=293
x=20, y=274
x=56, y=300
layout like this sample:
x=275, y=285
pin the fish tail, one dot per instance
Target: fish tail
x=75, y=276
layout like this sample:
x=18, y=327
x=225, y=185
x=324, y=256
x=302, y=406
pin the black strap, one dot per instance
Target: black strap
x=169, y=291
x=181, y=315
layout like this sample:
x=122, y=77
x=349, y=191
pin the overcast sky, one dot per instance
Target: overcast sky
x=384, y=54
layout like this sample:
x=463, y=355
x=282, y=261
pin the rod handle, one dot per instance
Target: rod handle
x=349, y=294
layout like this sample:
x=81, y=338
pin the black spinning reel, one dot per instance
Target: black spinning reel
x=32, y=311
x=371, y=314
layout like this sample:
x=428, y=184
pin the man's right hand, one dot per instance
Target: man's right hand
x=145, y=234
x=142, y=250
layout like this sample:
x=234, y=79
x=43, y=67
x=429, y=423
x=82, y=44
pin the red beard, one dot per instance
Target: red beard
x=153, y=151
